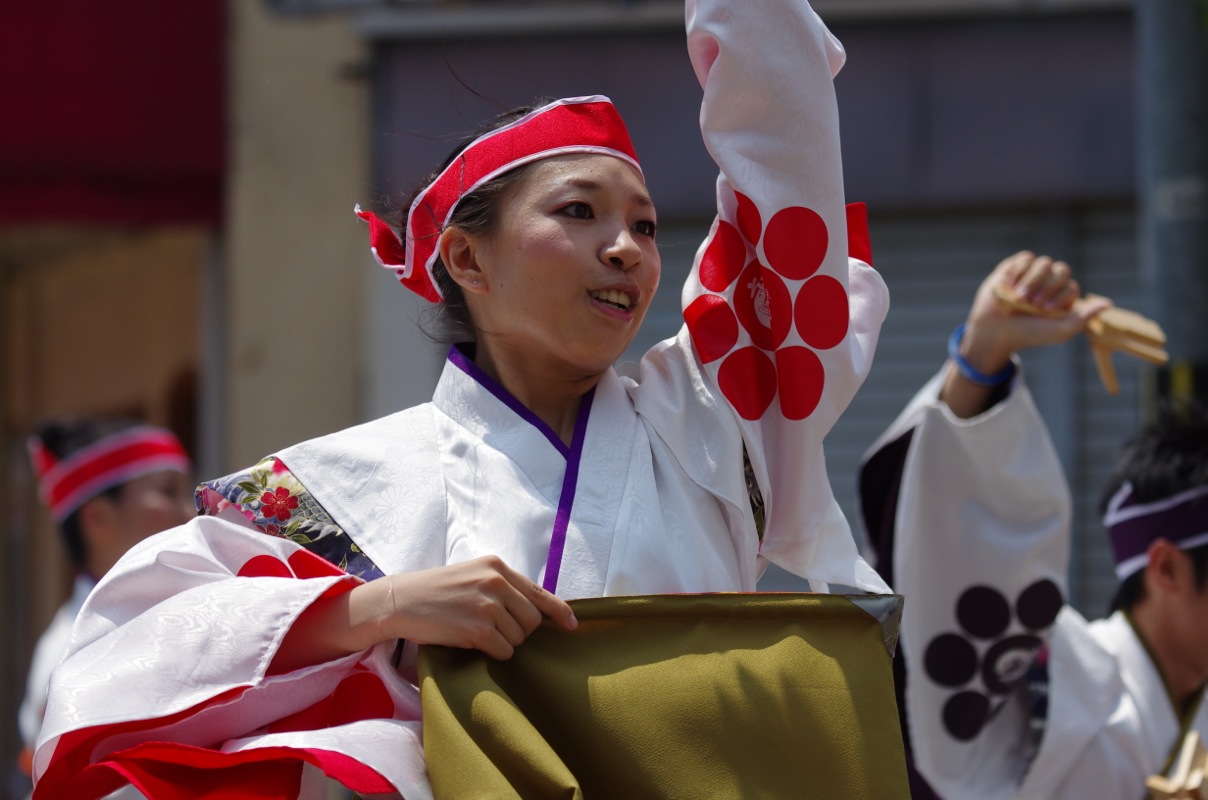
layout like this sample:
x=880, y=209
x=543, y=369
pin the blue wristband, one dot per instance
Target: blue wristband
x=970, y=372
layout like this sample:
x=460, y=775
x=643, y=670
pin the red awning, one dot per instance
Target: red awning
x=111, y=112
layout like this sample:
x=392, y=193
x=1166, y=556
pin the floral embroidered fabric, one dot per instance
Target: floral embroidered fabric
x=272, y=499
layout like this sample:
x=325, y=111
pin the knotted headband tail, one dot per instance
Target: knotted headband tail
x=390, y=253
x=571, y=125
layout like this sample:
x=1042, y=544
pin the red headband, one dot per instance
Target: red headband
x=66, y=485
x=572, y=125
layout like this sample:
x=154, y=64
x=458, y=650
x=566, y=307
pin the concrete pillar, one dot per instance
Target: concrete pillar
x=295, y=256
x=1172, y=39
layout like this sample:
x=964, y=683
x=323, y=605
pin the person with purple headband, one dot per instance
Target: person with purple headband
x=538, y=473
x=1004, y=690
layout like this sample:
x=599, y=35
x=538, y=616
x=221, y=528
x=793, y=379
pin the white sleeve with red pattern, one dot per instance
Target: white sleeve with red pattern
x=166, y=683
x=780, y=324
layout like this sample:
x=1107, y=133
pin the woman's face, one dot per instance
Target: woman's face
x=569, y=271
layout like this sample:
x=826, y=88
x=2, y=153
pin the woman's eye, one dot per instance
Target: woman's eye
x=647, y=228
x=578, y=210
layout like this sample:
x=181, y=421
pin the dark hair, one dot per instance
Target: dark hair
x=477, y=213
x=65, y=437
x=1169, y=457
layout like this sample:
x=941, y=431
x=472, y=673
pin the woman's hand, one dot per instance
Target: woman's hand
x=994, y=332
x=482, y=604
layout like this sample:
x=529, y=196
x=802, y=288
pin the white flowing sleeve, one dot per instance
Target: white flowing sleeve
x=780, y=324
x=980, y=548
x=167, y=681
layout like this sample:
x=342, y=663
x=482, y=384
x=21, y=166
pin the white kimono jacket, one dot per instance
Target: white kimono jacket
x=48, y=652
x=971, y=522
x=167, y=684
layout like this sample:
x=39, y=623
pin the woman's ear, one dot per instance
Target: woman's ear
x=459, y=251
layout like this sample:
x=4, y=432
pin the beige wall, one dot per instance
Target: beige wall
x=94, y=324
x=295, y=255
x=265, y=315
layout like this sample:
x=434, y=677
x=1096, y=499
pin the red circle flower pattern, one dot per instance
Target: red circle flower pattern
x=300, y=564
x=795, y=240
x=280, y=504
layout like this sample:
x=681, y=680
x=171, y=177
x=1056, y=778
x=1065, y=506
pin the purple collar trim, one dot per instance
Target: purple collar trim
x=1132, y=527
x=557, y=542
x=465, y=363
x=573, y=454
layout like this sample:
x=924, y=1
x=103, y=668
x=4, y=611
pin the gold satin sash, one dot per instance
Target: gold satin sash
x=712, y=697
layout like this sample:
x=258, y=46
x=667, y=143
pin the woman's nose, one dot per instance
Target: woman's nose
x=623, y=252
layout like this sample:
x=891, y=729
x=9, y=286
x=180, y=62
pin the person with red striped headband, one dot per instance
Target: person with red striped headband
x=538, y=474
x=108, y=484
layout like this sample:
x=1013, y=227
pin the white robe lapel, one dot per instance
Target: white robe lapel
x=1156, y=716
x=491, y=434
x=376, y=481
x=503, y=474
x=604, y=471
x=492, y=417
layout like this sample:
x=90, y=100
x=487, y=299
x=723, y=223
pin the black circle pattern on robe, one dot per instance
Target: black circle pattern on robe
x=965, y=713
x=1038, y=605
x=983, y=612
x=951, y=660
x=984, y=615
x=1007, y=662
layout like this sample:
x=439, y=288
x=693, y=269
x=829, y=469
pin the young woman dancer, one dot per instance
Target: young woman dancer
x=538, y=473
